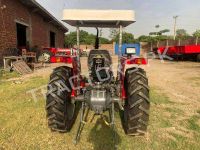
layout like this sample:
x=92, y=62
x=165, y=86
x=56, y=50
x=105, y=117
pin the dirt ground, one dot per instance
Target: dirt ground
x=179, y=80
x=174, y=116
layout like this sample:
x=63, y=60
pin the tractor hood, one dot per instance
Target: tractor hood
x=98, y=18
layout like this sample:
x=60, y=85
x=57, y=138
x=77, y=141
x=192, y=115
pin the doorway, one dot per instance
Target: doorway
x=21, y=35
x=52, y=39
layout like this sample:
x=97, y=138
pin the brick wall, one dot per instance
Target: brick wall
x=38, y=30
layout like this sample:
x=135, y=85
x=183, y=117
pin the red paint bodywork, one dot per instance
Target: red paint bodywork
x=129, y=61
x=180, y=50
x=61, y=55
x=56, y=59
x=138, y=61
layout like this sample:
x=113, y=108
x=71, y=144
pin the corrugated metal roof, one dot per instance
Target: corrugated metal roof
x=42, y=11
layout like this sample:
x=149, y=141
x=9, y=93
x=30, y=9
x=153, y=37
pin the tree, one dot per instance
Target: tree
x=104, y=40
x=127, y=38
x=70, y=39
x=181, y=34
x=148, y=39
x=144, y=38
x=113, y=33
x=164, y=31
x=159, y=36
x=85, y=38
x=196, y=34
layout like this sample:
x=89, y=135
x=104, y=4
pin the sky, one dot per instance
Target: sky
x=148, y=13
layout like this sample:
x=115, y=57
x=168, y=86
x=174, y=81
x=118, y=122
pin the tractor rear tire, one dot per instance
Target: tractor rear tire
x=137, y=105
x=198, y=58
x=60, y=109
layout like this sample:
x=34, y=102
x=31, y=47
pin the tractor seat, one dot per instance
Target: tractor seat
x=100, y=54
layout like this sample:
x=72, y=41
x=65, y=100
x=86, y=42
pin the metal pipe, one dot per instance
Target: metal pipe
x=78, y=45
x=119, y=52
x=120, y=41
x=78, y=58
x=78, y=49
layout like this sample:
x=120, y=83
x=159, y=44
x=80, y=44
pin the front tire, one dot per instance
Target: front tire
x=60, y=109
x=137, y=105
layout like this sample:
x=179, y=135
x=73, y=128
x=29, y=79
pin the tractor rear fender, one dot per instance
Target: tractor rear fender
x=135, y=60
x=78, y=81
x=129, y=61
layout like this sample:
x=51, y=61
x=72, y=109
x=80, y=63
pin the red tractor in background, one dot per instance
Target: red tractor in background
x=57, y=55
x=100, y=92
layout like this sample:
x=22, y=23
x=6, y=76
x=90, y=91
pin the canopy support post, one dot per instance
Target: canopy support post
x=78, y=55
x=120, y=65
x=78, y=49
x=119, y=53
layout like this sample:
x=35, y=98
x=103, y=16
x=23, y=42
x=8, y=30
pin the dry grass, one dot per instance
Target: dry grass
x=23, y=124
x=174, y=115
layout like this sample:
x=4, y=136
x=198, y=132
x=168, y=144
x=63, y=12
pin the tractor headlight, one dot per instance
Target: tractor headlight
x=131, y=51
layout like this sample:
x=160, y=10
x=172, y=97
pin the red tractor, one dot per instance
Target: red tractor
x=101, y=91
x=57, y=55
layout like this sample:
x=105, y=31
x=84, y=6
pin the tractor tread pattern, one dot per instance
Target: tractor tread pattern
x=56, y=100
x=137, y=105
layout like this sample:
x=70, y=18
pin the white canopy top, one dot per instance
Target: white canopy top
x=98, y=18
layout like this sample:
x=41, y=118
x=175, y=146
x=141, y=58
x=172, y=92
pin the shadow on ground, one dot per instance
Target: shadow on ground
x=102, y=136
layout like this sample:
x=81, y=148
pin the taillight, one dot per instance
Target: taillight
x=141, y=61
x=138, y=61
x=58, y=59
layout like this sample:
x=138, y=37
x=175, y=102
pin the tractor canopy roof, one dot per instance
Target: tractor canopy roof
x=98, y=18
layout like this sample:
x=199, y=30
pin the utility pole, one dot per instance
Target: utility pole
x=175, y=22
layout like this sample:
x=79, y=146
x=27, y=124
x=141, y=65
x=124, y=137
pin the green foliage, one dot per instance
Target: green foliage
x=153, y=33
x=127, y=38
x=164, y=31
x=113, y=33
x=85, y=38
x=196, y=33
x=182, y=34
x=145, y=38
x=104, y=40
x=4, y=75
x=161, y=38
x=159, y=32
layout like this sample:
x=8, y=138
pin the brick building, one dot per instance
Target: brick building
x=25, y=23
